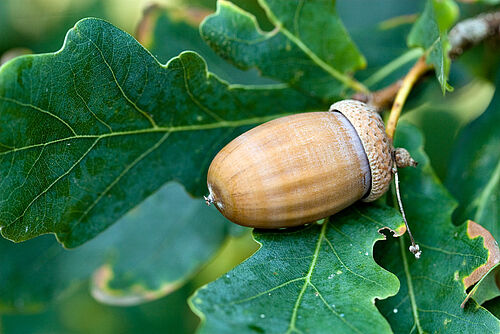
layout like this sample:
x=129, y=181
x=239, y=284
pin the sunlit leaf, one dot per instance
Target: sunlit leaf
x=306, y=280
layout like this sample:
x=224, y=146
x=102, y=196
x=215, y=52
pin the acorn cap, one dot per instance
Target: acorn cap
x=378, y=149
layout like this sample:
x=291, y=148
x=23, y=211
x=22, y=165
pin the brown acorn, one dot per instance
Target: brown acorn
x=300, y=168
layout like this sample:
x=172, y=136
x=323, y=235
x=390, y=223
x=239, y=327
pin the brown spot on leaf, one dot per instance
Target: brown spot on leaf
x=475, y=230
x=399, y=231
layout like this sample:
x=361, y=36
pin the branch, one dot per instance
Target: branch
x=409, y=80
x=470, y=32
x=380, y=99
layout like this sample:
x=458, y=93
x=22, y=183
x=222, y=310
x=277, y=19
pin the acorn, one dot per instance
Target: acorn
x=300, y=168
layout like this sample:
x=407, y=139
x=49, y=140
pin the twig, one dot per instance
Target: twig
x=380, y=99
x=409, y=80
x=470, y=32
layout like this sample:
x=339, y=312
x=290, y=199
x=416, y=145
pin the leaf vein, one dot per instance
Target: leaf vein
x=332, y=310
x=194, y=99
x=86, y=104
x=182, y=128
x=132, y=103
x=54, y=182
x=29, y=105
x=409, y=281
x=349, y=269
x=267, y=291
x=293, y=319
x=119, y=177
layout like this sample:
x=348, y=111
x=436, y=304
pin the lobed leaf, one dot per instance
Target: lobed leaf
x=306, y=280
x=453, y=258
x=89, y=132
x=316, y=28
x=317, y=63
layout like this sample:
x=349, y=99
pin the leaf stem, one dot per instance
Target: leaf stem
x=407, y=84
x=414, y=248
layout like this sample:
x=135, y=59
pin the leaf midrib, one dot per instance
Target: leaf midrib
x=181, y=128
x=307, y=281
x=156, y=129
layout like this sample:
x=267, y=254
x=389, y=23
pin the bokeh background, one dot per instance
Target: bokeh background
x=39, y=26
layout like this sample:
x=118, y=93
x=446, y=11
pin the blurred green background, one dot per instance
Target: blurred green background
x=40, y=26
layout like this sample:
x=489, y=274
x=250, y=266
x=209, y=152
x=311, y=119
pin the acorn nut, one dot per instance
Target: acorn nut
x=300, y=168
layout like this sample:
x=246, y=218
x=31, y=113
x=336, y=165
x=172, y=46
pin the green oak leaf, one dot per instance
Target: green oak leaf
x=316, y=28
x=433, y=287
x=142, y=257
x=168, y=31
x=317, y=67
x=90, y=131
x=305, y=280
x=474, y=169
x=430, y=33
x=440, y=118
